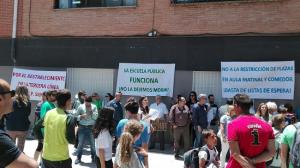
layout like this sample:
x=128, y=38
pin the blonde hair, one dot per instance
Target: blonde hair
x=132, y=129
x=22, y=95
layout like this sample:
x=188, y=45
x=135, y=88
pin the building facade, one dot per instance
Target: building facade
x=196, y=35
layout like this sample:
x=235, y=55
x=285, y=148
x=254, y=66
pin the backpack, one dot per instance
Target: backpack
x=71, y=123
x=191, y=158
x=295, y=150
x=37, y=128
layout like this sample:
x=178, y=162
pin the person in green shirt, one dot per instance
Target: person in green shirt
x=287, y=140
x=56, y=151
x=49, y=104
x=96, y=101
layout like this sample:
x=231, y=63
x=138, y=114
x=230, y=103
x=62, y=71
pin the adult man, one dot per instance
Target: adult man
x=87, y=114
x=251, y=140
x=116, y=104
x=56, y=151
x=212, y=112
x=79, y=99
x=199, y=119
x=180, y=119
x=10, y=155
x=223, y=109
x=162, y=113
x=287, y=141
x=132, y=108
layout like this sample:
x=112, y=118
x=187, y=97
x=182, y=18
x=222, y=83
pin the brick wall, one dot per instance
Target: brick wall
x=261, y=16
x=6, y=18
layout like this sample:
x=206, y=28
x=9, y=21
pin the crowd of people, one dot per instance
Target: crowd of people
x=203, y=133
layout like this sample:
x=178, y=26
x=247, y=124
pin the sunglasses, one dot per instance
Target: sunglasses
x=12, y=93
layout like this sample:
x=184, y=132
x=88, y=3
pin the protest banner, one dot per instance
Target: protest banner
x=262, y=80
x=146, y=79
x=38, y=81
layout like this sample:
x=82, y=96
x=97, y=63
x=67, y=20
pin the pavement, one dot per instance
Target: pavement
x=157, y=158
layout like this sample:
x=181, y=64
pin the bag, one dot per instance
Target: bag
x=295, y=150
x=191, y=158
x=71, y=123
x=37, y=128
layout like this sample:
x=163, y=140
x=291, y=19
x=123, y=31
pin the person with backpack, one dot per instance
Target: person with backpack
x=278, y=125
x=55, y=150
x=205, y=156
x=251, y=140
x=290, y=141
x=10, y=155
x=208, y=154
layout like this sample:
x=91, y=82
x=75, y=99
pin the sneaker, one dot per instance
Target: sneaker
x=77, y=161
x=178, y=157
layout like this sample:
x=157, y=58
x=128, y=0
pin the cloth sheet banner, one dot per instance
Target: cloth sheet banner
x=261, y=80
x=146, y=79
x=38, y=81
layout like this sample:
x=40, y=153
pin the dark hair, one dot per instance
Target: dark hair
x=51, y=93
x=282, y=109
x=104, y=121
x=289, y=107
x=62, y=97
x=243, y=101
x=89, y=99
x=45, y=93
x=132, y=107
x=207, y=132
x=189, y=99
x=209, y=96
x=110, y=97
x=146, y=109
x=229, y=101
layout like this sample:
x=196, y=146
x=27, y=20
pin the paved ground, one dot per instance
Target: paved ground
x=157, y=158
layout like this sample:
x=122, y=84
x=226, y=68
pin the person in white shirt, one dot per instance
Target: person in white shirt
x=208, y=154
x=103, y=131
x=161, y=114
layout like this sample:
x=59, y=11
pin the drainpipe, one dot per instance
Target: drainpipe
x=14, y=33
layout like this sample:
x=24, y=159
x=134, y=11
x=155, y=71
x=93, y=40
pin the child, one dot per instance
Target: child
x=103, y=131
x=208, y=154
x=126, y=153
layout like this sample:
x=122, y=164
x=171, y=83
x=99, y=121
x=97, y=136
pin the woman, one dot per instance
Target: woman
x=225, y=119
x=103, y=132
x=278, y=125
x=262, y=112
x=192, y=99
x=126, y=153
x=190, y=103
x=144, y=113
x=17, y=122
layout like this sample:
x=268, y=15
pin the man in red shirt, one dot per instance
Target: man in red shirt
x=251, y=140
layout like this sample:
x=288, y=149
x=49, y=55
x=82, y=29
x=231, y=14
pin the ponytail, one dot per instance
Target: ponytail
x=126, y=142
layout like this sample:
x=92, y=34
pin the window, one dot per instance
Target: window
x=199, y=1
x=63, y=4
